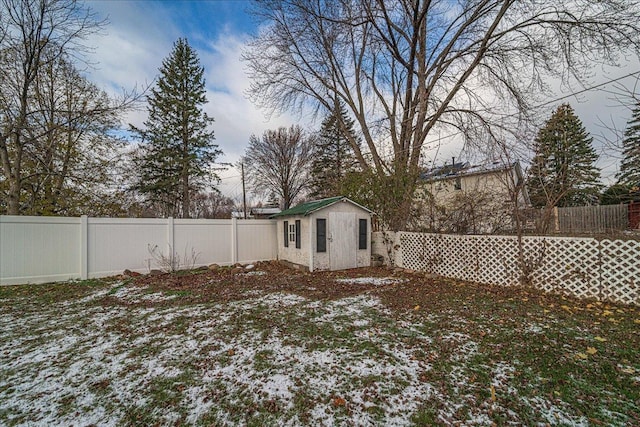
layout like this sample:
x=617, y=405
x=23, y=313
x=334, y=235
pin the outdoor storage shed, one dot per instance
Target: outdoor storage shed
x=326, y=234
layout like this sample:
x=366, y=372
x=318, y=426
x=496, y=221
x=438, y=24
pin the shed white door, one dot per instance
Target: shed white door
x=342, y=240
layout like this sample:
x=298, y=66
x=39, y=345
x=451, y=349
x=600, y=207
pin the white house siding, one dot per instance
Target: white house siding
x=487, y=193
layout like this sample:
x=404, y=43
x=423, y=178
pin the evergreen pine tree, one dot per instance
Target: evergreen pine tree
x=177, y=150
x=334, y=156
x=563, y=171
x=629, y=174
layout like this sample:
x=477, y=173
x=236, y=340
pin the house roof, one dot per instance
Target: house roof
x=465, y=169
x=265, y=211
x=444, y=171
x=304, y=209
x=239, y=214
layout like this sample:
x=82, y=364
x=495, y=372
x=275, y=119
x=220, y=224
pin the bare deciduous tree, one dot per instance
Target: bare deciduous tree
x=47, y=109
x=279, y=162
x=409, y=68
x=66, y=167
x=211, y=205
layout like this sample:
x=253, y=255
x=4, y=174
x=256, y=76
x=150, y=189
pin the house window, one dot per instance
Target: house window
x=321, y=235
x=297, y=234
x=458, y=184
x=362, y=234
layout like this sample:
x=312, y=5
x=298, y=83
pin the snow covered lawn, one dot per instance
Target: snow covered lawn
x=121, y=353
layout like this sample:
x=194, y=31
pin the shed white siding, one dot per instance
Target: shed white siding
x=291, y=253
x=308, y=250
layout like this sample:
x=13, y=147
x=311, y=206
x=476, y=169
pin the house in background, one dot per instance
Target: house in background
x=256, y=213
x=264, y=213
x=326, y=234
x=461, y=198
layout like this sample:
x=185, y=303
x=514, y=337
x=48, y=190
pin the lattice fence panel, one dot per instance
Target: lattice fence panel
x=569, y=266
x=620, y=271
x=485, y=259
x=456, y=255
x=495, y=260
x=582, y=267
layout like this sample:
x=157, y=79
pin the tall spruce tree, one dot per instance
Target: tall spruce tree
x=629, y=174
x=563, y=171
x=334, y=156
x=177, y=152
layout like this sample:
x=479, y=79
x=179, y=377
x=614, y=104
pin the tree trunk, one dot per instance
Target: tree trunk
x=13, y=202
x=185, y=196
x=15, y=180
x=399, y=194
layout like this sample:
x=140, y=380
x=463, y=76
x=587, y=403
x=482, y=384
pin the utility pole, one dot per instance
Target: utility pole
x=244, y=193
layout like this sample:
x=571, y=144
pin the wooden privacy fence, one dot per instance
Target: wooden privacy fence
x=47, y=249
x=634, y=215
x=592, y=219
x=582, y=267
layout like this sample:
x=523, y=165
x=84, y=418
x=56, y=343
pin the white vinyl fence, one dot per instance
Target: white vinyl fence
x=583, y=267
x=47, y=249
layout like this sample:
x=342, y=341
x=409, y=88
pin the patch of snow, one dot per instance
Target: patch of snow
x=104, y=360
x=554, y=415
x=502, y=374
x=502, y=378
x=156, y=297
x=136, y=294
x=352, y=307
x=253, y=293
x=95, y=295
x=278, y=386
x=256, y=273
x=199, y=403
x=281, y=299
x=376, y=281
x=455, y=337
x=616, y=417
x=534, y=329
x=126, y=292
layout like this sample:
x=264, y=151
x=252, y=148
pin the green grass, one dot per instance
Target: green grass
x=419, y=353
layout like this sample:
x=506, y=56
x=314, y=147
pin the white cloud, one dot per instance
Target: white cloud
x=132, y=50
x=141, y=34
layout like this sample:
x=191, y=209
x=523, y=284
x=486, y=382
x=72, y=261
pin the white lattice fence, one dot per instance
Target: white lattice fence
x=582, y=267
x=620, y=271
x=569, y=266
x=495, y=257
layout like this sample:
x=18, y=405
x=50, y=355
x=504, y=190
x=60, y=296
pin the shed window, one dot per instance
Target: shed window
x=362, y=234
x=297, y=234
x=286, y=234
x=321, y=235
x=292, y=232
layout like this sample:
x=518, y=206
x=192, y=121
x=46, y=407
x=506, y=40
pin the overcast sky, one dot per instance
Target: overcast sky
x=140, y=34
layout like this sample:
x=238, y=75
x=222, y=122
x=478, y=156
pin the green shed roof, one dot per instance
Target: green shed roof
x=304, y=209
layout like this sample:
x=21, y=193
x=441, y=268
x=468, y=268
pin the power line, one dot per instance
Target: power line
x=230, y=177
x=535, y=107
x=588, y=89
